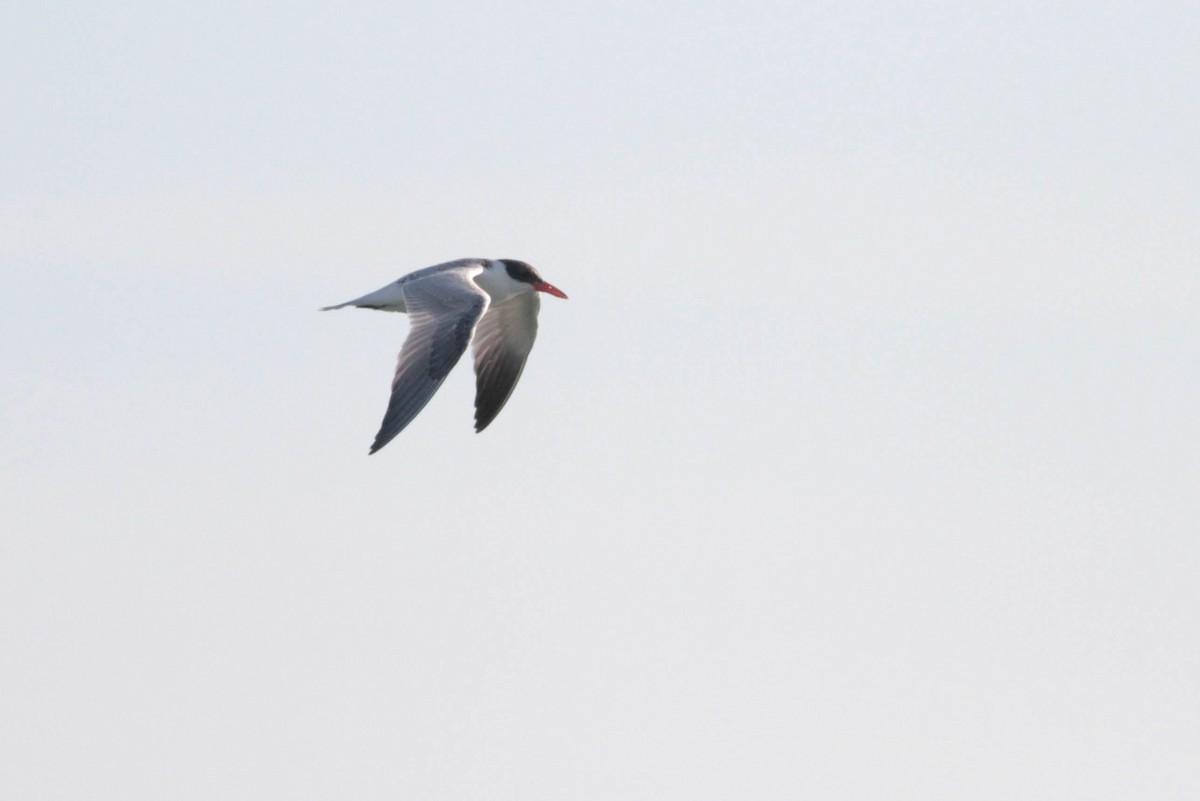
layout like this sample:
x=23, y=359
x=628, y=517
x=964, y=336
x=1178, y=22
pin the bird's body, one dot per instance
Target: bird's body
x=492, y=303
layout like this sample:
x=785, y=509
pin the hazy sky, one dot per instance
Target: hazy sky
x=861, y=464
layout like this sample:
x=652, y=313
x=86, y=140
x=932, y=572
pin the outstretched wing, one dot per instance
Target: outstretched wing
x=503, y=340
x=444, y=309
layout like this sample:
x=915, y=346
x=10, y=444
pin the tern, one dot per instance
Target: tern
x=490, y=303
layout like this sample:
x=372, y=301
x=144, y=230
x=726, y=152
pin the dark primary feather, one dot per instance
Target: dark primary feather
x=443, y=311
x=503, y=339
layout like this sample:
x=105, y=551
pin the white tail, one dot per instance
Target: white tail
x=389, y=298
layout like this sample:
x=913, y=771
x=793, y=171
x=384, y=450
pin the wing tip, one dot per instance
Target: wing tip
x=381, y=440
x=484, y=416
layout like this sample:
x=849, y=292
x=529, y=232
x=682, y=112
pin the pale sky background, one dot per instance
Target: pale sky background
x=861, y=464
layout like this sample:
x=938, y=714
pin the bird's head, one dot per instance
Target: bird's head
x=520, y=271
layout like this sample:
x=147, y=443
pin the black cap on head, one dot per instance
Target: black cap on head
x=520, y=271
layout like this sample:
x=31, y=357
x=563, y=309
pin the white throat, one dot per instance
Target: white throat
x=496, y=281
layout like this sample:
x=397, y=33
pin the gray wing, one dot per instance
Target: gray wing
x=443, y=309
x=503, y=340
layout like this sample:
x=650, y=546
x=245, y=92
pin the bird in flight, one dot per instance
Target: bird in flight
x=490, y=303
